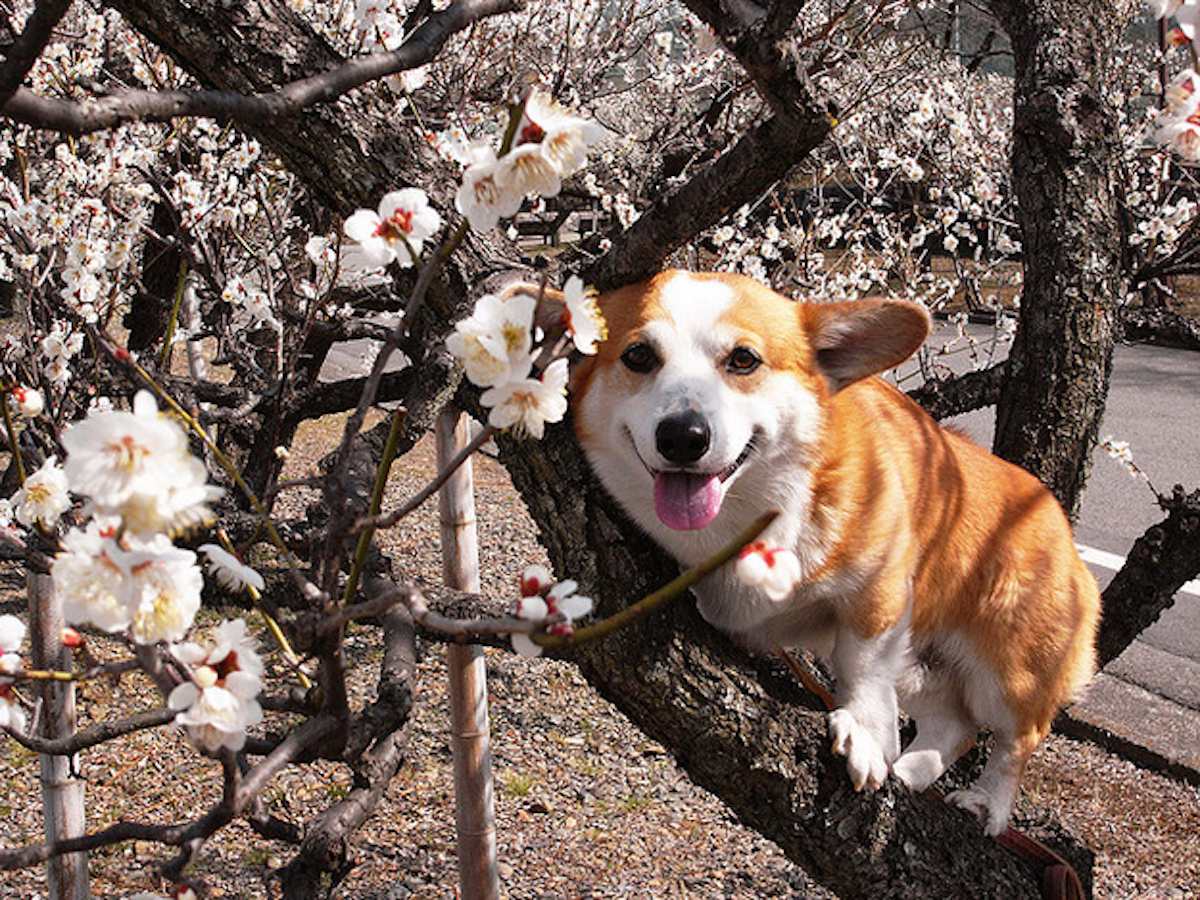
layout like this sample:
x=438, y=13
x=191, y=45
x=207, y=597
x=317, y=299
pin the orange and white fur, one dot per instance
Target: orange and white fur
x=933, y=575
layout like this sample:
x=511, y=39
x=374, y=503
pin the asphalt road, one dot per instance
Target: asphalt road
x=1153, y=405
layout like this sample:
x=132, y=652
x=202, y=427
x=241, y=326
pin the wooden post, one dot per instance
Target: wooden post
x=62, y=792
x=470, y=740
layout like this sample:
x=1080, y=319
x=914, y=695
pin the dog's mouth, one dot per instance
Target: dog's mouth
x=687, y=500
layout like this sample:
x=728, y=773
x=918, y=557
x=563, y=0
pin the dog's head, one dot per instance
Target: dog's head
x=706, y=379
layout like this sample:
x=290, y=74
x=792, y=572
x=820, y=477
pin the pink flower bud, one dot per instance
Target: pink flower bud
x=30, y=402
x=535, y=580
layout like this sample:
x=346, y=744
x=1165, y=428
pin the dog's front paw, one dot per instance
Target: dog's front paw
x=865, y=761
x=992, y=812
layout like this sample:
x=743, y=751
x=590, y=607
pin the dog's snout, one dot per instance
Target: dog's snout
x=683, y=438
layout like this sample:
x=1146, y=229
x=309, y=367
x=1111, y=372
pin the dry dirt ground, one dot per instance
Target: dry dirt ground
x=586, y=806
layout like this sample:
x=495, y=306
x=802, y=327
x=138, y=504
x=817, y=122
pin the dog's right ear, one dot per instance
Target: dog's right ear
x=550, y=315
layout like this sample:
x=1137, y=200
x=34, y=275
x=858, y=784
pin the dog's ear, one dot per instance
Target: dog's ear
x=550, y=314
x=865, y=337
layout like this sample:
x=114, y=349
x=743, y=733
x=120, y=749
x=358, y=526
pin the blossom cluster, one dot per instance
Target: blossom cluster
x=497, y=345
x=121, y=572
x=221, y=701
x=1179, y=125
x=1123, y=455
x=549, y=144
x=545, y=600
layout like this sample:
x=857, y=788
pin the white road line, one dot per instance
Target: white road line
x=1106, y=560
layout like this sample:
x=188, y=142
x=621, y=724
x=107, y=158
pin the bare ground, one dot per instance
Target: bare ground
x=586, y=806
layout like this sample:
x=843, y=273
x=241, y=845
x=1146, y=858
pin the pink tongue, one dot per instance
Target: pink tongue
x=687, y=502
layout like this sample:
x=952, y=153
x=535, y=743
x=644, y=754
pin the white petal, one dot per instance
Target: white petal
x=183, y=696
x=12, y=632
x=525, y=646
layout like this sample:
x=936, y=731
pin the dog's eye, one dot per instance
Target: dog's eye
x=743, y=361
x=639, y=358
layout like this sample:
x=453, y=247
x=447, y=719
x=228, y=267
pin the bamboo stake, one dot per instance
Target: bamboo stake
x=62, y=792
x=474, y=815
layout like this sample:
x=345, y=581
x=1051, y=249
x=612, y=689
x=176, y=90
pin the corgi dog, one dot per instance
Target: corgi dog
x=932, y=575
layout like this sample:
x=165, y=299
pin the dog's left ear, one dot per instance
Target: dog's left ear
x=551, y=312
x=865, y=337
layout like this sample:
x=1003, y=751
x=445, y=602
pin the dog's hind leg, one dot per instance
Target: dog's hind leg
x=992, y=796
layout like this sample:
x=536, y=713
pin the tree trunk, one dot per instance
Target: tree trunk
x=1064, y=149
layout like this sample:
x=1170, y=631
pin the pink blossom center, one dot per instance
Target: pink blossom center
x=395, y=228
x=128, y=452
x=533, y=133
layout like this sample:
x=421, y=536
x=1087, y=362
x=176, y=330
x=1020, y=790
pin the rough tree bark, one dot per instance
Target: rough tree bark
x=1064, y=150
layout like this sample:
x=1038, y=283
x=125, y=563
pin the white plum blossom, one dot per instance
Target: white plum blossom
x=221, y=702
x=29, y=401
x=89, y=581
x=542, y=599
x=535, y=580
x=526, y=171
x=163, y=587
x=562, y=137
x=137, y=465
x=486, y=196
x=495, y=343
x=397, y=231
x=774, y=570
x=43, y=497
x=584, y=320
x=526, y=405
x=59, y=346
x=549, y=144
x=229, y=571
x=12, y=633
x=149, y=587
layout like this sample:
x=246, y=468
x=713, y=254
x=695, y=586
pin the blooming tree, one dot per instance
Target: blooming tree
x=178, y=284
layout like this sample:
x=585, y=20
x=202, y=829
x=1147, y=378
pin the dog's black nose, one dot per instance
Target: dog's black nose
x=683, y=438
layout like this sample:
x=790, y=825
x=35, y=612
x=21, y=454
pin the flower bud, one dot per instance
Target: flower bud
x=30, y=402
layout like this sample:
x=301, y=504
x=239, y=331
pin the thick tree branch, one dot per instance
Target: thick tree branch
x=960, y=394
x=756, y=162
x=1063, y=162
x=103, y=113
x=1162, y=560
x=749, y=169
x=25, y=50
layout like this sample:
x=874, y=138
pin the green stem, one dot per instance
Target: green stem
x=663, y=595
x=165, y=357
x=381, y=478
